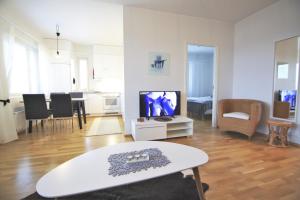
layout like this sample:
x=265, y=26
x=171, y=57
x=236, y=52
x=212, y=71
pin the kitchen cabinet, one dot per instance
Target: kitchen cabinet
x=103, y=103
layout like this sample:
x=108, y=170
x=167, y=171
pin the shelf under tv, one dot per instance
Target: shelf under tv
x=151, y=129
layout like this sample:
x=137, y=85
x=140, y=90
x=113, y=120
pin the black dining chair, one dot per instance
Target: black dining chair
x=76, y=95
x=53, y=93
x=35, y=108
x=61, y=107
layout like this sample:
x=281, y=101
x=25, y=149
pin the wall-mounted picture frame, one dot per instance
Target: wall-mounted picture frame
x=159, y=63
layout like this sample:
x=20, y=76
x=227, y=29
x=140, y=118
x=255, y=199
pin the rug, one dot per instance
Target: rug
x=105, y=126
x=170, y=187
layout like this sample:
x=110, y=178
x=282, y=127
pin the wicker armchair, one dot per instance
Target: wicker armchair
x=250, y=108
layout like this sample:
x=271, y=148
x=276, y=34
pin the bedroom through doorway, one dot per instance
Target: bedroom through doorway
x=200, y=83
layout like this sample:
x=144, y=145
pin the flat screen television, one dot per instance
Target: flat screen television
x=159, y=103
x=289, y=96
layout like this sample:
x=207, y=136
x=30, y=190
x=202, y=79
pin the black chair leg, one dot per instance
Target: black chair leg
x=79, y=116
x=83, y=111
x=30, y=126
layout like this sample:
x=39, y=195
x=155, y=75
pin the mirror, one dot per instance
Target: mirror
x=286, y=75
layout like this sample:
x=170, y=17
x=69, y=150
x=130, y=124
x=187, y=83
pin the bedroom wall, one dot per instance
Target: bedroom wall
x=254, y=44
x=153, y=31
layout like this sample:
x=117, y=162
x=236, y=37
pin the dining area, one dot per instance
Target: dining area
x=56, y=107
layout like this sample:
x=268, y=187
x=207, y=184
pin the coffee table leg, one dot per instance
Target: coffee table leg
x=198, y=183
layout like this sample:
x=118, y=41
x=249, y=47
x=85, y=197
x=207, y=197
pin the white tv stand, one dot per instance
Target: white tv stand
x=154, y=130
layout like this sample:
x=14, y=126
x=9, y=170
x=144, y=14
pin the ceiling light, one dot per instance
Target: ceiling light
x=57, y=35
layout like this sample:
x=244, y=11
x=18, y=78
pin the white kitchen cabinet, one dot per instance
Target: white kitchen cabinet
x=108, y=62
x=94, y=103
x=107, y=66
x=103, y=103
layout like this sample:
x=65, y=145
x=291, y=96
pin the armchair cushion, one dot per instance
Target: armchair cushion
x=237, y=115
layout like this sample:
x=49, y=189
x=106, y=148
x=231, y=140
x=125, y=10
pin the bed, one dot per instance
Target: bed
x=199, y=107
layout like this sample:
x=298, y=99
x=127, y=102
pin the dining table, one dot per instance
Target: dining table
x=80, y=107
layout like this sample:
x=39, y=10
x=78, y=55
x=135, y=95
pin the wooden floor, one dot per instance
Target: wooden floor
x=238, y=169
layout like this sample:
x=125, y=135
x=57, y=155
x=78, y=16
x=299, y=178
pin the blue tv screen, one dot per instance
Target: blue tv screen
x=289, y=96
x=159, y=103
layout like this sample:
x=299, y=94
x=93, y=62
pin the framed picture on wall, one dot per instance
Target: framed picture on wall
x=159, y=63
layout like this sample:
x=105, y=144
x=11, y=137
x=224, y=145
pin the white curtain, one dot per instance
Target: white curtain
x=7, y=125
x=200, y=83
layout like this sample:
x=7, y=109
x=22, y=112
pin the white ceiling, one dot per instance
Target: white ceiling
x=101, y=21
x=225, y=10
x=81, y=21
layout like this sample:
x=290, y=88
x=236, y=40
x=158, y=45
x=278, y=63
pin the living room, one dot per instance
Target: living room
x=246, y=36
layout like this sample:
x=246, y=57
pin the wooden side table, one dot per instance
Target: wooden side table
x=278, y=131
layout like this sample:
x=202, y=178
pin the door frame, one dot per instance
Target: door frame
x=215, y=77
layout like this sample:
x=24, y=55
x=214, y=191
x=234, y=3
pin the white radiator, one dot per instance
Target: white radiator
x=19, y=116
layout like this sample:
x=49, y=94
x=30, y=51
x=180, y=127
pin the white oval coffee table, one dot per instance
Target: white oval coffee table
x=89, y=171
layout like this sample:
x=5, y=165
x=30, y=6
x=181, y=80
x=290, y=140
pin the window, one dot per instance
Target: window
x=23, y=76
x=283, y=71
x=83, y=74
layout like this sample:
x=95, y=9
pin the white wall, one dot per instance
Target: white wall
x=153, y=31
x=254, y=43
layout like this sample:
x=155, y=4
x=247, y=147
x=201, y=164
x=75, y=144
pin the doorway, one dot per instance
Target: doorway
x=201, y=81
